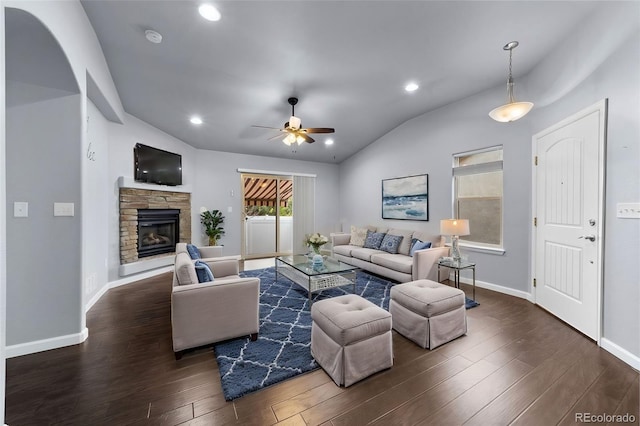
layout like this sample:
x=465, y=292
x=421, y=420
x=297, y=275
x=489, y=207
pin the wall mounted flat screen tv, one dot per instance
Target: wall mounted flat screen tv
x=153, y=165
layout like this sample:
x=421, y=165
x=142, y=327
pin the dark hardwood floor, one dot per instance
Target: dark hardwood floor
x=517, y=364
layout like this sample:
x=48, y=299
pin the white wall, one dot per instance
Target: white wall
x=96, y=202
x=588, y=66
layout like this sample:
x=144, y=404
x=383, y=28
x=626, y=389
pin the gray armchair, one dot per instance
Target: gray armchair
x=206, y=313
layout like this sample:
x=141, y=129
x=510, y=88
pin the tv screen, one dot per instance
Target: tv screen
x=153, y=165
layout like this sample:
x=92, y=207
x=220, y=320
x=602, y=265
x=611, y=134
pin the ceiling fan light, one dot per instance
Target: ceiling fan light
x=511, y=111
x=289, y=139
x=294, y=122
x=299, y=139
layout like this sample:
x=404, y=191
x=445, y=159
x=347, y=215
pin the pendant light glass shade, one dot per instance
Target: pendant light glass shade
x=512, y=110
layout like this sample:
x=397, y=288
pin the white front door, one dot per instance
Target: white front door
x=569, y=199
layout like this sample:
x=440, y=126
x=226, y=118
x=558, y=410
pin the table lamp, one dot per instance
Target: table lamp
x=455, y=228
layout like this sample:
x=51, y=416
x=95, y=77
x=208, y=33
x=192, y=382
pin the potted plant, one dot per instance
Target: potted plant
x=212, y=221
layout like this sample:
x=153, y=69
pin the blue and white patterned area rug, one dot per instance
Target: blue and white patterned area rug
x=283, y=349
x=283, y=346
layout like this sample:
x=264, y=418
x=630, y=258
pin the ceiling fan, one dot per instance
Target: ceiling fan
x=293, y=128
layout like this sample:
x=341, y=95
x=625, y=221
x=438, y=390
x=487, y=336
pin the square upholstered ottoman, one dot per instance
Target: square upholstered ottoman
x=350, y=338
x=427, y=312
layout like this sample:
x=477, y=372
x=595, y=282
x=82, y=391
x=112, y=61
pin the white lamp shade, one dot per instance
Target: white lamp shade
x=511, y=111
x=454, y=227
x=294, y=122
x=289, y=139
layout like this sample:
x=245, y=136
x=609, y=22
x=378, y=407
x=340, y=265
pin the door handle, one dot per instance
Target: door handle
x=591, y=238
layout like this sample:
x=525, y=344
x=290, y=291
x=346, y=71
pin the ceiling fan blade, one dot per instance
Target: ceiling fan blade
x=267, y=127
x=319, y=130
x=307, y=138
x=274, y=137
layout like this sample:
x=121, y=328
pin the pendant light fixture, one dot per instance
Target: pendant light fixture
x=512, y=110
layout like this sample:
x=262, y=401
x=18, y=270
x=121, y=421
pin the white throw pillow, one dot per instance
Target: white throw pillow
x=358, y=235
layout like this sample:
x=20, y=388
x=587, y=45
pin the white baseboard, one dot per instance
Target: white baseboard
x=498, y=288
x=619, y=352
x=138, y=277
x=74, y=339
x=145, y=265
x=46, y=344
x=96, y=297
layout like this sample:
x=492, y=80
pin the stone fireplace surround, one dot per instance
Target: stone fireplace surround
x=132, y=199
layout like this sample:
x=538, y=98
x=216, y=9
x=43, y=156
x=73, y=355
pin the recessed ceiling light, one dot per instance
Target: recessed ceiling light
x=153, y=36
x=411, y=87
x=328, y=142
x=209, y=12
x=195, y=120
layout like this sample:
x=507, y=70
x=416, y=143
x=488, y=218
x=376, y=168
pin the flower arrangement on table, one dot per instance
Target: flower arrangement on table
x=316, y=241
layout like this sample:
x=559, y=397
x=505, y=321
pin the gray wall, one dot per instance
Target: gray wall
x=584, y=69
x=43, y=145
x=618, y=79
x=212, y=175
x=3, y=223
x=425, y=145
x=121, y=140
x=217, y=176
x=96, y=203
x=44, y=252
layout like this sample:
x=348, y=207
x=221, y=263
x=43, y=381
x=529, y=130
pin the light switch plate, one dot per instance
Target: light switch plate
x=628, y=210
x=63, y=209
x=20, y=209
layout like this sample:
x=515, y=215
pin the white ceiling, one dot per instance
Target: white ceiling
x=347, y=61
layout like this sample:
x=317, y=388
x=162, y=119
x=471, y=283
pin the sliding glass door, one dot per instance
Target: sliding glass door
x=267, y=215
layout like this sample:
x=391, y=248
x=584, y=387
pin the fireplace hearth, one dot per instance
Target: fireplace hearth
x=158, y=231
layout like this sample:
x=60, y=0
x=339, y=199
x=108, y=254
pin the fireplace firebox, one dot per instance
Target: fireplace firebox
x=158, y=231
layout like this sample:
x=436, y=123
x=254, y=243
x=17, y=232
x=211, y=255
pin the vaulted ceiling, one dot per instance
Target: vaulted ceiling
x=347, y=62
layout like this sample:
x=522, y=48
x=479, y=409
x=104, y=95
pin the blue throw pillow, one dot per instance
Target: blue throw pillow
x=193, y=252
x=203, y=272
x=373, y=240
x=413, y=242
x=419, y=245
x=390, y=243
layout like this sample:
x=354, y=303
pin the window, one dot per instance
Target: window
x=477, y=195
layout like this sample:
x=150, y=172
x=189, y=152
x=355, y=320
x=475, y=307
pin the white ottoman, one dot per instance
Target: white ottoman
x=427, y=312
x=350, y=338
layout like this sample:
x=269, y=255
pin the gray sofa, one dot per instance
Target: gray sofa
x=401, y=266
x=205, y=313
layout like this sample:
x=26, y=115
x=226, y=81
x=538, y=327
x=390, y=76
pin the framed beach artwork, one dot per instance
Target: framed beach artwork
x=406, y=198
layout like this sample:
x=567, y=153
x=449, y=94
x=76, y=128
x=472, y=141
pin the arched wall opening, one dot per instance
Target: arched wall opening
x=43, y=190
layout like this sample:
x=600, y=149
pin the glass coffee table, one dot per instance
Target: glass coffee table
x=300, y=270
